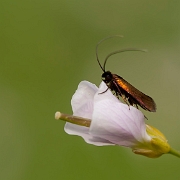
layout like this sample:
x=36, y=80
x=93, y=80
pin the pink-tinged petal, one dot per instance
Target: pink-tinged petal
x=115, y=122
x=82, y=100
x=83, y=132
x=112, y=121
x=82, y=105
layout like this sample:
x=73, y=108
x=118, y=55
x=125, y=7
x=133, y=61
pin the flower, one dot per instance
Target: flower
x=101, y=119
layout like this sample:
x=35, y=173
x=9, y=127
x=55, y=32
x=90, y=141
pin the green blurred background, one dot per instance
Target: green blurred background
x=47, y=47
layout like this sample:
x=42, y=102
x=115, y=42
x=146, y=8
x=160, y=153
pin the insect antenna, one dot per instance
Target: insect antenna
x=119, y=51
x=97, y=57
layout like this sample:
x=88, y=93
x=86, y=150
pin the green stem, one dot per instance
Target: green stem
x=73, y=119
x=174, y=152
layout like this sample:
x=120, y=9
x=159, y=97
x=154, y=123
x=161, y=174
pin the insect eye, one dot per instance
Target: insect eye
x=108, y=77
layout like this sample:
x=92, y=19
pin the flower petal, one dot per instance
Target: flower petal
x=82, y=100
x=115, y=122
x=82, y=131
x=112, y=121
x=82, y=105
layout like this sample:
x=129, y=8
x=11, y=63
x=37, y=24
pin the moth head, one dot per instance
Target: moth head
x=107, y=77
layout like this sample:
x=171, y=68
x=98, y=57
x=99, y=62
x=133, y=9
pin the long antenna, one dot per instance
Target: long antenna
x=119, y=51
x=98, y=46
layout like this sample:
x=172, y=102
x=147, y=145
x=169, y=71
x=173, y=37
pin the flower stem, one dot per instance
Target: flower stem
x=174, y=152
x=73, y=119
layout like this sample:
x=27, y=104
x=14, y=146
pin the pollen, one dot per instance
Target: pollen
x=57, y=115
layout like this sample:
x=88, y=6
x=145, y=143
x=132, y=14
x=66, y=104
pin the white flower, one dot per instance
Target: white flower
x=113, y=123
x=101, y=119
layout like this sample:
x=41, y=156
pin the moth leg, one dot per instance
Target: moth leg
x=104, y=91
x=118, y=92
x=145, y=117
x=135, y=105
x=125, y=99
x=115, y=93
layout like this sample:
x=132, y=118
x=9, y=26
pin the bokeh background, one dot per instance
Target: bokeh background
x=47, y=47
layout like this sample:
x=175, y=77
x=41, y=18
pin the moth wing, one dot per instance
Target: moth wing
x=142, y=99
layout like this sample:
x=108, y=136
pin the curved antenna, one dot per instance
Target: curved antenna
x=98, y=46
x=119, y=51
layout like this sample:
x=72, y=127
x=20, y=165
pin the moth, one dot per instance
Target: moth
x=121, y=87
